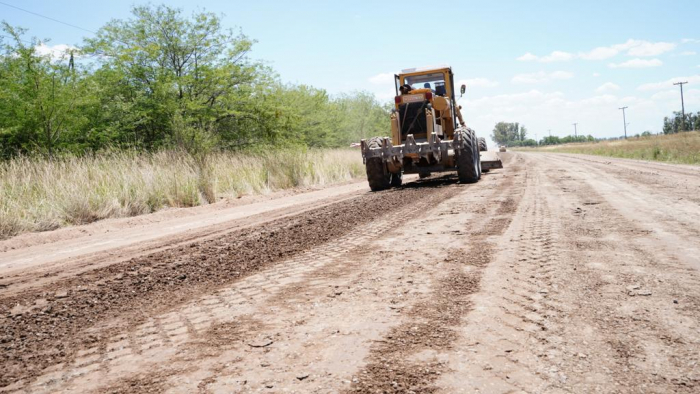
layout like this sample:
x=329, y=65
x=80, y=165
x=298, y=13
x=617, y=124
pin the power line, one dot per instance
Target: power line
x=100, y=53
x=49, y=18
x=12, y=38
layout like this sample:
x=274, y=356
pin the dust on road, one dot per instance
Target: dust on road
x=559, y=273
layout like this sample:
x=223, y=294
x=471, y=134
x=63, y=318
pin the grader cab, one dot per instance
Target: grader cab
x=428, y=133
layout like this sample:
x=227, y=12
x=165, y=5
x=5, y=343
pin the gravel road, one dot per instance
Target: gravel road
x=557, y=274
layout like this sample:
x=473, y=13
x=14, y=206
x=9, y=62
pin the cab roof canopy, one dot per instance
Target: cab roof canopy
x=424, y=69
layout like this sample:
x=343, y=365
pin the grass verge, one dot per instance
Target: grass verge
x=39, y=195
x=681, y=148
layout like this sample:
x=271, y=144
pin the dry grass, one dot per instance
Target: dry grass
x=682, y=148
x=39, y=195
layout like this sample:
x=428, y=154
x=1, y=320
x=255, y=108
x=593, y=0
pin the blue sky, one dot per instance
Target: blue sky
x=545, y=64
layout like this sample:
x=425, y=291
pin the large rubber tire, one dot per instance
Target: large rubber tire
x=467, y=158
x=478, y=154
x=378, y=176
x=396, y=179
x=482, y=144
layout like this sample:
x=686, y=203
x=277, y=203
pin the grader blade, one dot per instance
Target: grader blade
x=490, y=161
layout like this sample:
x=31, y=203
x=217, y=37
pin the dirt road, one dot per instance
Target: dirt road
x=559, y=273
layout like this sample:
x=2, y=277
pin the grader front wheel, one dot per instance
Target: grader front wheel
x=468, y=160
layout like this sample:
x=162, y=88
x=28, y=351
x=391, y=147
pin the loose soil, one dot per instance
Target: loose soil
x=558, y=273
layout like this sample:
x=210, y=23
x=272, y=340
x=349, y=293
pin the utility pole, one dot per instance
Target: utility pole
x=682, y=105
x=575, y=131
x=624, y=120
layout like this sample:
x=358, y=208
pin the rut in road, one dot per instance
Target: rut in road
x=410, y=358
x=57, y=323
x=583, y=301
x=209, y=338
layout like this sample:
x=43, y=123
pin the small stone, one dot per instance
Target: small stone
x=675, y=301
x=302, y=376
x=61, y=294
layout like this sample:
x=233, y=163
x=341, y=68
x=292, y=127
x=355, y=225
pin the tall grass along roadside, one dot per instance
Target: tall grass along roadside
x=682, y=148
x=39, y=194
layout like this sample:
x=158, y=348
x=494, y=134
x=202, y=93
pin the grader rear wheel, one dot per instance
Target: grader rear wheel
x=378, y=176
x=482, y=144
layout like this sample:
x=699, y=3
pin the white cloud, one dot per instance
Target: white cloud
x=607, y=87
x=556, y=56
x=648, y=49
x=54, y=51
x=690, y=41
x=600, y=53
x=541, y=77
x=665, y=95
x=597, y=114
x=527, y=57
x=596, y=75
x=637, y=63
x=636, y=48
x=688, y=53
x=669, y=82
x=382, y=79
x=478, y=82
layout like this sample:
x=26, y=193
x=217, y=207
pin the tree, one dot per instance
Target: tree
x=184, y=76
x=509, y=133
x=38, y=95
x=674, y=125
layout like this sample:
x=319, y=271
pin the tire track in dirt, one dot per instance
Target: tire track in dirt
x=346, y=269
x=629, y=333
x=503, y=341
x=411, y=357
x=46, y=326
x=581, y=301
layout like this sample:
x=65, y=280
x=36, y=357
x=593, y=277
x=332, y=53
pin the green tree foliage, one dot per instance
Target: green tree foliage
x=39, y=96
x=165, y=79
x=510, y=134
x=674, y=124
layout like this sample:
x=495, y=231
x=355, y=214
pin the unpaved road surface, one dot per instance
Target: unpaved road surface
x=556, y=274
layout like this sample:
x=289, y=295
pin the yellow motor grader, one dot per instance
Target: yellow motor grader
x=428, y=133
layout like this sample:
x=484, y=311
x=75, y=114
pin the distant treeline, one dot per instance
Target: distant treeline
x=164, y=79
x=675, y=124
x=514, y=134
